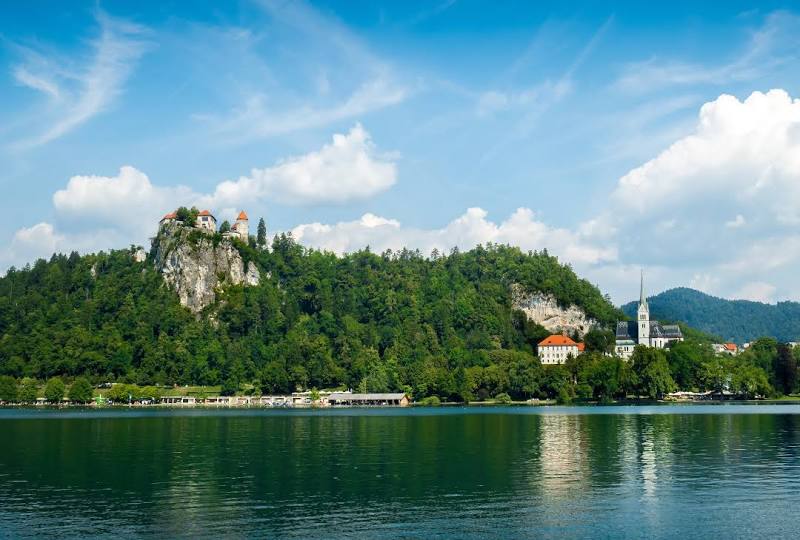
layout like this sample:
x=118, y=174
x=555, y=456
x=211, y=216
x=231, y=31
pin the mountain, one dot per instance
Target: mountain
x=208, y=309
x=739, y=321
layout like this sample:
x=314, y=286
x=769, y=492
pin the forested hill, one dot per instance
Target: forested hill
x=736, y=320
x=377, y=322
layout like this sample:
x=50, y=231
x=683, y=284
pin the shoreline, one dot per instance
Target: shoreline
x=483, y=404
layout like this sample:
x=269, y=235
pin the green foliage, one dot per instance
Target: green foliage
x=398, y=321
x=225, y=227
x=121, y=393
x=261, y=238
x=598, y=340
x=28, y=391
x=54, y=390
x=430, y=401
x=651, y=375
x=502, y=398
x=8, y=388
x=81, y=390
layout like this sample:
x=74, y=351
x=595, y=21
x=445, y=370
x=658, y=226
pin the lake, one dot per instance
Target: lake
x=688, y=471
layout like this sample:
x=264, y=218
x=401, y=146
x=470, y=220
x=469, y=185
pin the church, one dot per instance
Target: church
x=643, y=331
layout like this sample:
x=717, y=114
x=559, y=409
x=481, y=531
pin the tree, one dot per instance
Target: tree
x=785, y=370
x=261, y=238
x=225, y=227
x=28, y=391
x=229, y=386
x=651, y=376
x=54, y=390
x=81, y=390
x=597, y=340
x=8, y=389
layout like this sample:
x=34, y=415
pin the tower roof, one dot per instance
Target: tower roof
x=242, y=216
x=642, y=297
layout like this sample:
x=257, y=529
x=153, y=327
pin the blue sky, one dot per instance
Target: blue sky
x=616, y=135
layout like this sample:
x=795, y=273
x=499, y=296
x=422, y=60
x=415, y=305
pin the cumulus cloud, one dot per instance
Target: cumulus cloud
x=685, y=208
x=348, y=168
x=466, y=231
x=105, y=211
x=42, y=240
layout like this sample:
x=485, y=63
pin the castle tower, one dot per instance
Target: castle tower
x=643, y=318
x=242, y=226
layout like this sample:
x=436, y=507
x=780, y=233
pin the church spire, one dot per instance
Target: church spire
x=642, y=297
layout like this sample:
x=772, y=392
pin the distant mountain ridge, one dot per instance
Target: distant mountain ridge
x=739, y=321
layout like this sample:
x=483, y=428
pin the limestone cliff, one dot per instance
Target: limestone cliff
x=198, y=265
x=544, y=310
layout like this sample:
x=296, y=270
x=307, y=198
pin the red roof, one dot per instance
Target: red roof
x=171, y=215
x=242, y=216
x=581, y=346
x=205, y=213
x=731, y=346
x=557, y=340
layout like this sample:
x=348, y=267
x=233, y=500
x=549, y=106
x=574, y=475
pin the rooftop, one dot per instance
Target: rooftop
x=557, y=340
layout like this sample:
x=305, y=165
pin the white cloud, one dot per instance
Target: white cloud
x=39, y=240
x=128, y=205
x=348, y=168
x=78, y=95
x=685, y=209
x=742, y=158
x=468, y=230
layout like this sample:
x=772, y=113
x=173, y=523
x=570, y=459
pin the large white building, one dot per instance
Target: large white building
x=556, y=349
x=643, y=331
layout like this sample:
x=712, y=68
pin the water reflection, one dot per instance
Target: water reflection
x=452, y=474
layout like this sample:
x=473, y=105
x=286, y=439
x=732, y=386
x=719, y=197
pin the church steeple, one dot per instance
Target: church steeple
x=642, y=297
x=643, y=316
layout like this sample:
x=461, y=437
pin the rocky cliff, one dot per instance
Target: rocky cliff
x=198, y=265
x=544, y=310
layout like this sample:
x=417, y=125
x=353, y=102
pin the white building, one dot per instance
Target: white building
x=556, y=349
x=643, y=331
x=206, y=221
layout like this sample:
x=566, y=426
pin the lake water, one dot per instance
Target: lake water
x=695, y=471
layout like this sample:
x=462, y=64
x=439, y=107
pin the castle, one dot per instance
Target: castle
x=208, y=223
x=643, y=331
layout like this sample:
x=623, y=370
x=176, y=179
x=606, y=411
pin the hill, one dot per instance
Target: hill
x=739, y=321
x=207, y=310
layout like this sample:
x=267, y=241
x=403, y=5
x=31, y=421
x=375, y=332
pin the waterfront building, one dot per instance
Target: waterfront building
x=350, y=399
x=644, y=331
x=556, y=349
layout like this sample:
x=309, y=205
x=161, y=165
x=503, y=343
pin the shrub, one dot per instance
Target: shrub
x=502, y=398
x=430, y=401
